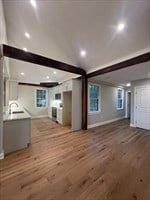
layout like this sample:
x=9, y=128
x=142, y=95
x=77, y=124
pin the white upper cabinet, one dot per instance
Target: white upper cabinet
x=67, y=86
x=12, y=90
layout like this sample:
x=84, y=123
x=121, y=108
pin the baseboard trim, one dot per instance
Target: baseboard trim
x=39, y=116
x=1, y=156
x=132, y=125
x=105, y=122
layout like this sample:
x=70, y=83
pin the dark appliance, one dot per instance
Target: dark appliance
x=58, y=96
x=54, y=113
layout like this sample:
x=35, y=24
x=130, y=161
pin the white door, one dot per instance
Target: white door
x=142, y=107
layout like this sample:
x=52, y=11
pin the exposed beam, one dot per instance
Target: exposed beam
x=31, y=84
x=20, y=54
x=84, y=102
x=49, y=84
x=127, y=63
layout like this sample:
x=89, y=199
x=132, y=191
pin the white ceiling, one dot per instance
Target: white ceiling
x=124, y=76
x=60, y=29
x=36, y=73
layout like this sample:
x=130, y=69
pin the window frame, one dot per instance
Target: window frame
x=122, y=90
x=36, y=98
x=99, y=99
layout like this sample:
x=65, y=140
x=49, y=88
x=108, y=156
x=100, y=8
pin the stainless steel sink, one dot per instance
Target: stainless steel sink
x=17, y=112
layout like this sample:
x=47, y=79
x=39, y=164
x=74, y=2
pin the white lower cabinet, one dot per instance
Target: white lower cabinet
x=17, y=134
x=59, y=115
x=50, y=112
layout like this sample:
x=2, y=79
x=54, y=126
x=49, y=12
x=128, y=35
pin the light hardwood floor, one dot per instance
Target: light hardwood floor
x=110, y=162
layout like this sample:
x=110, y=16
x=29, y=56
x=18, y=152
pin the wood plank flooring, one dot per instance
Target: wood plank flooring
x=111, y=162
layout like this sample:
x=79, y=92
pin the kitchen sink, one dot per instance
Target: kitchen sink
x=17, y=112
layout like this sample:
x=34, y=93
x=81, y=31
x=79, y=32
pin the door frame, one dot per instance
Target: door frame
x=126, y=103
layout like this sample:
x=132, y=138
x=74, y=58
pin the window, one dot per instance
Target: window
x=120, y=97
x=94, y=98
x=40, y=98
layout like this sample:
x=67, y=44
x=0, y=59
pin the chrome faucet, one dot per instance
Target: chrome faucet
x=10, y=107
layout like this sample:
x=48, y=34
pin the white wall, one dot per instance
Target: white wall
x=145, y=82
x=3, y=39
x=108, y=111
x=26, y=99
x=76, y=105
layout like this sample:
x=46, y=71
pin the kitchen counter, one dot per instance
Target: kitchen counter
x=17, y=130
x=16, y=116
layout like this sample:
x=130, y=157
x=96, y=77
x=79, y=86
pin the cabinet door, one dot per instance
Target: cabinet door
x=50, y=112
x=67, y=86
x=64, y=87
x=59, y=116
x=13, y=90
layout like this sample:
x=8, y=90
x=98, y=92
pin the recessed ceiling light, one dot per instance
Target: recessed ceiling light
x=54, y=72
x=128, y=84
x=83, y=53
x=33, y=3
x=25, y=49
x=22, y=73
x=27, y=35
x=120, y=26
x=47, y=77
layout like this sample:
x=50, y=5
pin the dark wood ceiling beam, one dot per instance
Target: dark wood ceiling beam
x=84, y=102
x=31, y=84
x=42, y=84
x=49, y=84
x=20, y=54
x=124, y=64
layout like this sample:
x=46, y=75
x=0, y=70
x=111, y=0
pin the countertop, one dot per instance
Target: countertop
x=16, y=116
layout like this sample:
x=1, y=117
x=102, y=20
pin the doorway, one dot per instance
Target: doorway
x=128, y=104
x=67, y=108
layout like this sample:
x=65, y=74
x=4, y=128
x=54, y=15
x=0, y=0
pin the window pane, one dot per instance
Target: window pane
x=94, y=91
x=93, y=98
x=119, y=98
x=93, y=104
x=41, y=98
x=121, y=103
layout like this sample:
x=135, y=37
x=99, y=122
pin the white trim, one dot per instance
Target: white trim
x=105, y=122
x=126, y=103
x=132, y=125
x=39, y=116
x=135, y=96
x=1, y=155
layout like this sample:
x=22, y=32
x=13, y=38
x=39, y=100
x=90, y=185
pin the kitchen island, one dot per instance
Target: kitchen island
x=17, y=130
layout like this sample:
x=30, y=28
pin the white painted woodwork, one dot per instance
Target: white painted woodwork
x=73, y=115
x=12, y=90
x=60, y=116
x=142, y=107
x=17, y=134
